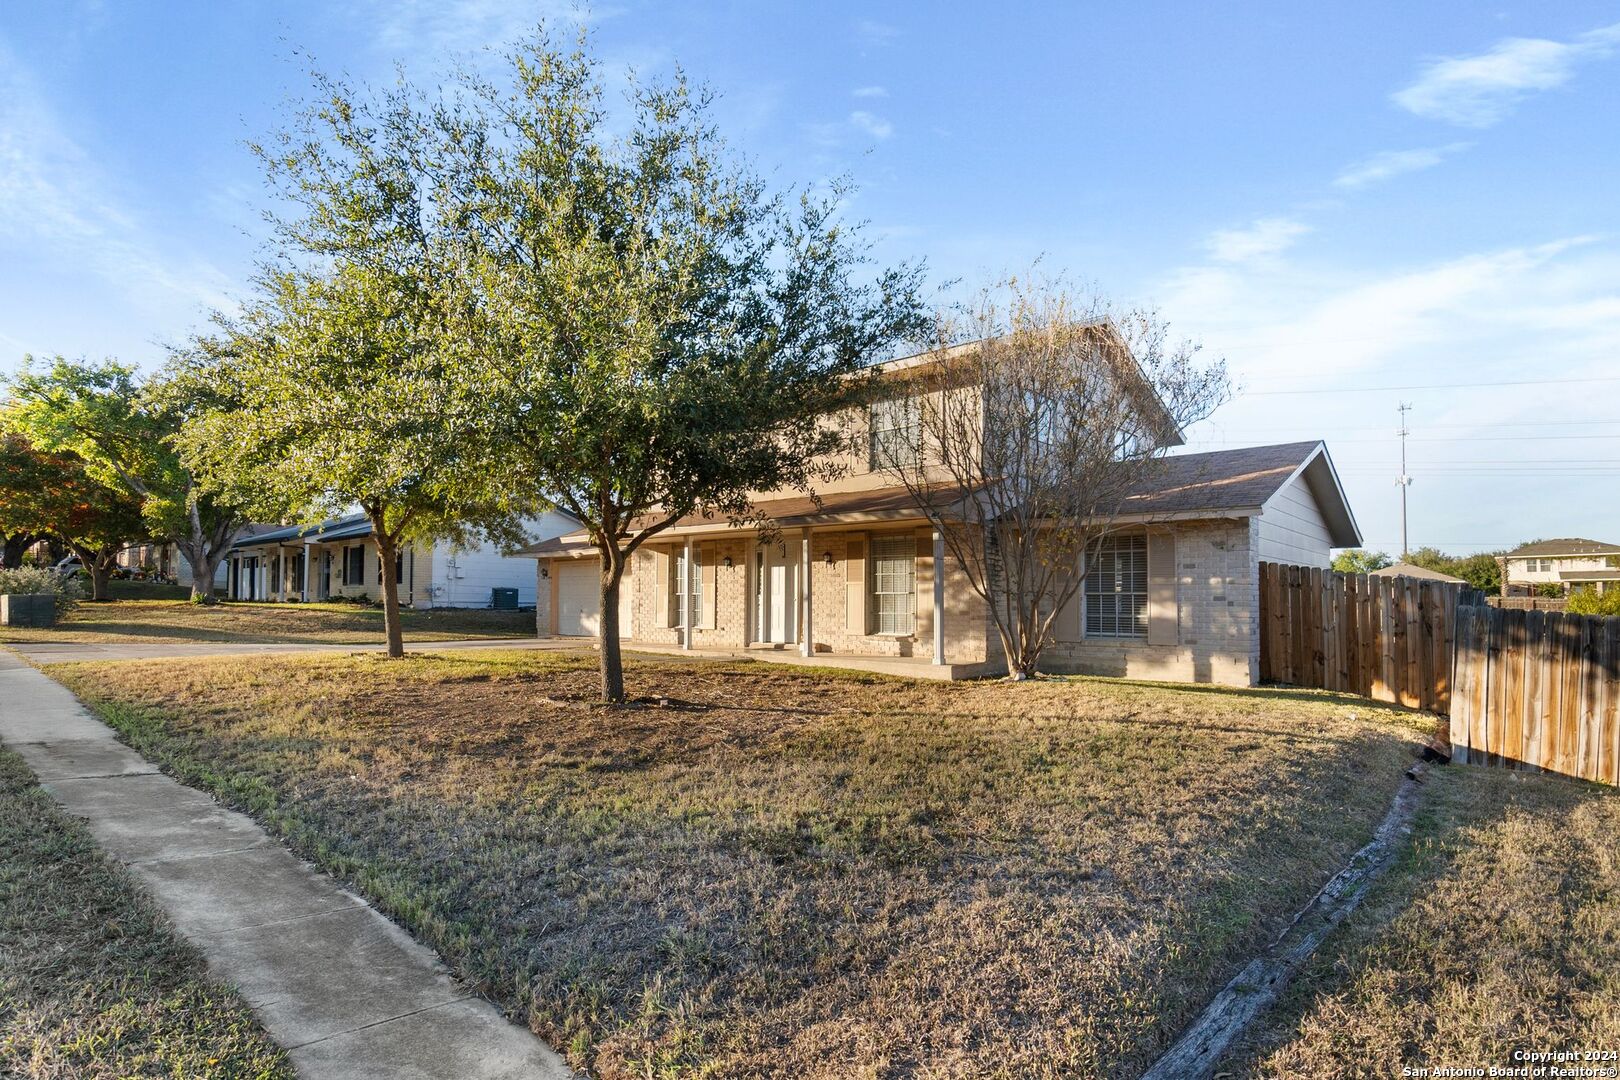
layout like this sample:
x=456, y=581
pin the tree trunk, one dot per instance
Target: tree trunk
x=16, y=545
x=387, y=549
x=612, y=662
x=204, y=565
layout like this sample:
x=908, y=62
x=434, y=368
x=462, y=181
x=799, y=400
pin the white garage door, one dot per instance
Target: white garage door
x=578, y=600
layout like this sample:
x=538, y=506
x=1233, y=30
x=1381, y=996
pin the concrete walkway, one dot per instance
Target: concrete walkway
x=69, y=652
x=348, y=993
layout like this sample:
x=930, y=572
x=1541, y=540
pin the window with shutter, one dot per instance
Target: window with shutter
x=1117, y=589
x=682, y=592
x=894, y=584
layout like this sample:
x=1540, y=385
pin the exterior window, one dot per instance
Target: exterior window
x=354, y=566
x=895, y=428
x=1116, y=589
x=685, y=577
x=894, y=584
x=297, y=573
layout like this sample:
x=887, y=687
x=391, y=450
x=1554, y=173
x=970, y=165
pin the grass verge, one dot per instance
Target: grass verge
x=335, y=624
x=1498, y=932
x=93, y=981
x=787, y=872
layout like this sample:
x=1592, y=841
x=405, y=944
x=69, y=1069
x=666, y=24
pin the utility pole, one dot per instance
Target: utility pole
x=1403, y=481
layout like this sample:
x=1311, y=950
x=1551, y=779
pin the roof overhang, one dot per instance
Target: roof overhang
x=1323, y=481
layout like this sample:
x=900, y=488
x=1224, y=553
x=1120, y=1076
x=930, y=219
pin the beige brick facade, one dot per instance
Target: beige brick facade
x=1218, y=604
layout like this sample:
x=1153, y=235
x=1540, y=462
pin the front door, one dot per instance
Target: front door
x=776, y=571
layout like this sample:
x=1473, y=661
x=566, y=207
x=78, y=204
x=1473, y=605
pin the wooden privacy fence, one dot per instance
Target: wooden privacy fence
x=1538, y=690
x=1387, y=638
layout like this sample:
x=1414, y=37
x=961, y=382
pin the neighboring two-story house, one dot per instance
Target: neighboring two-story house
x=1564, y=565
x=338, y=560
x=859, y=577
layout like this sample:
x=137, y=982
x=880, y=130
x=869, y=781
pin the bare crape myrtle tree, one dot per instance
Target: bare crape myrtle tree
x=1037, y=417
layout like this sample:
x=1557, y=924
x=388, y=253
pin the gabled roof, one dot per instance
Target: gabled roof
x=1572, y=545
x=1406, y=569
x=1223, y=483
x=1227, y=482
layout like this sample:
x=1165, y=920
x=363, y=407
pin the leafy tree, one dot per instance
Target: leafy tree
x=335, y=400
x=123, y=434
x=649, y=333
x=1482, y=571
x=55, y=494
x=336, y=385
x=1361, y=561
x=1588, y=601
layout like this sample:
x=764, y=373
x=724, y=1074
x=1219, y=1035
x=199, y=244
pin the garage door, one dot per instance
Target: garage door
x=578, y=600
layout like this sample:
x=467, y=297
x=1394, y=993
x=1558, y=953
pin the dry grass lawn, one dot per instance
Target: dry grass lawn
x=94, y=983
x=1500, y=931
x=336, y=624
x=780, y=871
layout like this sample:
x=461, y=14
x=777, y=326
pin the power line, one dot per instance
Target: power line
x=1429, y=386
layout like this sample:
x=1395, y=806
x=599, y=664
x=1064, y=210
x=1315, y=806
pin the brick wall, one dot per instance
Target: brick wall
x=1218, y=627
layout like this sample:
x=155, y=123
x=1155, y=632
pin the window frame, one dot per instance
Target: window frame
x=880, y=437
x=682, y=579
x=1097, y=598
x=875, y=605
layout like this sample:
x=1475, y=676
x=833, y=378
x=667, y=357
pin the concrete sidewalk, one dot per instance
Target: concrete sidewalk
x=68, y=652
x=348, y=993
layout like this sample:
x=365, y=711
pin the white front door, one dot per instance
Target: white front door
x=776, y=571
x=578, y=600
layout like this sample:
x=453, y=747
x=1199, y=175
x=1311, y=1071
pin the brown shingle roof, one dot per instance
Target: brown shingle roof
x=1573, y=545
x=1220, y=480
x=1406, y=569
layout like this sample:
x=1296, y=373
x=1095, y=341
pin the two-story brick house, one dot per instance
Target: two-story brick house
x=863, y=579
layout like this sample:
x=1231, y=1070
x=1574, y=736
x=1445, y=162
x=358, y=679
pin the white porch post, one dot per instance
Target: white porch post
x=686, y=598
x=939, y=597
x=303, y=594
x=807, y=641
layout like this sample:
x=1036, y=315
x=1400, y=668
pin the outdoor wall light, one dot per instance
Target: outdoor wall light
x=826, y=557
x=728, y=562
x=545, y=571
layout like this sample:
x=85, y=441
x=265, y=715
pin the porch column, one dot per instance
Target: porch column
x=686, y=598
x=807, y=641
x=939, y=597
x=303, y=594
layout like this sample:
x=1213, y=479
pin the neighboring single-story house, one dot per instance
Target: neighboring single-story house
x=862, y=578
x=1567, y=564
x=1406, y=569
x=337, y=559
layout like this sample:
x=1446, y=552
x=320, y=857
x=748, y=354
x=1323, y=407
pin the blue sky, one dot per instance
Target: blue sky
x=1360, y=195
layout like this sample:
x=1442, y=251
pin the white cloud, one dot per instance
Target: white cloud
x=874, y=34
x=58, y=206
x=870, y=92
x=1477, y=91
x=1390, y=163
x=875, y=126
x=1266, y=237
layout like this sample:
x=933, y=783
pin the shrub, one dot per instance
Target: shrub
x=1589, y=601
x=34, y=579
